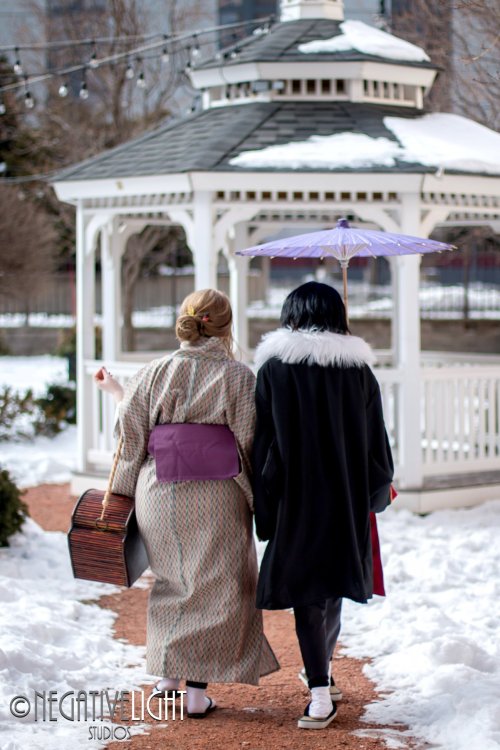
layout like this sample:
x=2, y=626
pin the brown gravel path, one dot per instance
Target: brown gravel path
x=247, y=718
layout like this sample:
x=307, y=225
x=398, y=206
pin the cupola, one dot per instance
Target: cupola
x=295, y=10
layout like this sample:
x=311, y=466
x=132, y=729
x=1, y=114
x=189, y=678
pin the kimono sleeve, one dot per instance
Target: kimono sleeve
x=267, y=474
x=240, y=415
x=133, y=425
x=380, y=463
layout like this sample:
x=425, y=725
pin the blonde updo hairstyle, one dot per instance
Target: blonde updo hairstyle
x=204, y=314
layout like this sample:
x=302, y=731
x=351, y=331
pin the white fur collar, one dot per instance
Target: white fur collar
x=314, y=347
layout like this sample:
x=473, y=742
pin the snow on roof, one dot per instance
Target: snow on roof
x=448, y=141
x=434, y=140
x=368, y=40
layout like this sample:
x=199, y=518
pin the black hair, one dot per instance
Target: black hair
x=314, y=305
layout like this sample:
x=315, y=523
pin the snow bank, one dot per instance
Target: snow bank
x=53, y=639
x=21, y=373
x=438, y=140
x=434, y=639
x=359, y=36
x=40, y=459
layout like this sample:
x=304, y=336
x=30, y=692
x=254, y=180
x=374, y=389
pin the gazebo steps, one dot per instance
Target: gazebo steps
x=451, y=491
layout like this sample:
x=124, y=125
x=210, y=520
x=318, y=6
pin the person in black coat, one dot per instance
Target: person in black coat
x=321, y=464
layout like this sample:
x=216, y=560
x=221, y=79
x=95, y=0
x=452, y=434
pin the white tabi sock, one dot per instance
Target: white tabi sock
x=197, y=701
x=168, y=683
x=321, y=703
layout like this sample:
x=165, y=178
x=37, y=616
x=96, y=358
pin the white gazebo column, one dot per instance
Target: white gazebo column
x=406, y=347
x=111, y=292
x=205, y=257
x=85, y=334
x=238, y=288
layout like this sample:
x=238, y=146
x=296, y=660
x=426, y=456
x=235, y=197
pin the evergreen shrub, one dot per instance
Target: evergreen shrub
x=13, y=510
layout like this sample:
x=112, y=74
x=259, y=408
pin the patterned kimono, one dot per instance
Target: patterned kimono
x=202, y=620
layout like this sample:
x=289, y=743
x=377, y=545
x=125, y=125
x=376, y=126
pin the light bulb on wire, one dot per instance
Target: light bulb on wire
x=93, y=62
x=165, y=57
x=195, y=51
x=18, y=68
x=3, y=108
x=129, y=73
x=141, y=81
x=63, y=90
x=84, y=92
x=29, y=102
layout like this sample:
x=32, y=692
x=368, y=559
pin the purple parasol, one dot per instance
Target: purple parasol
x=344, y=242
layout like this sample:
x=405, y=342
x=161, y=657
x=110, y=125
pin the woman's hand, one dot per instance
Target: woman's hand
x=107, y=383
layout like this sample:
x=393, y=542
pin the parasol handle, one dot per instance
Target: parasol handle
x=109, y=489
x=344, y=265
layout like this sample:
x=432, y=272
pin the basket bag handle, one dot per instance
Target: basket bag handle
x=109, y=489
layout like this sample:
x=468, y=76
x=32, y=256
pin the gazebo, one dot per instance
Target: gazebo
x=301, y=123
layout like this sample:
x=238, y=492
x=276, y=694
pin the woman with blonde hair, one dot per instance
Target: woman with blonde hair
x=187, y=422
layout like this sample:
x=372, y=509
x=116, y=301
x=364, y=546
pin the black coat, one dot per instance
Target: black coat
x=321, y=463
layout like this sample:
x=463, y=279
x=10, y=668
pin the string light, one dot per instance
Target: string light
x=18, y=68
x=165, y=57
x=29, y=102
x=195, y=52
x=192, y=51
x=129, y=73
x=84, y=91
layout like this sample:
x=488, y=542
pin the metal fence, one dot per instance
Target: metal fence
x=446, y=292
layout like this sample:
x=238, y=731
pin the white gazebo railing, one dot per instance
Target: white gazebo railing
x=459, y=425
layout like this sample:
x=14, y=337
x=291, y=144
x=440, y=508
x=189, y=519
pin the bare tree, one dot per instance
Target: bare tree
x=138, y=258
x=117, y=108
x=462, y=37
x=477, y=64
x=429, y=25
x=28, y=247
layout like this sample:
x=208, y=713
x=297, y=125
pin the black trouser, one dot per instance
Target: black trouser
x=318, y=627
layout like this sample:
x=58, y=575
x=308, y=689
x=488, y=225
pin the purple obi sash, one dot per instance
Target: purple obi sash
x=185, y=452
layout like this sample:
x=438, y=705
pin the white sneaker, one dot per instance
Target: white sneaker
x=335, y=693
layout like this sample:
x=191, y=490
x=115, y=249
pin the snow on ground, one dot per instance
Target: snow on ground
x=434, y=640
x=437, y=301
x=21, y=373
x=52, y=638
x=438, y=140
x=41, y=459
x=356, y=35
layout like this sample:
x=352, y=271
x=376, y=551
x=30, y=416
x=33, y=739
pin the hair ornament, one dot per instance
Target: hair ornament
x=191, y=311
x=205, y=318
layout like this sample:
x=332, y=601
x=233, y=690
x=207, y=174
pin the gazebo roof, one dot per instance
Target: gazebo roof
x=211, y=139
x=282, y=43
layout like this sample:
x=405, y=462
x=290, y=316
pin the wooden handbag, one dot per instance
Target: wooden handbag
x=104, y=540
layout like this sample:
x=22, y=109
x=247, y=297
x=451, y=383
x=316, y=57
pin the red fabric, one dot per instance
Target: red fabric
x=378, y=573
